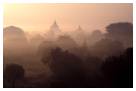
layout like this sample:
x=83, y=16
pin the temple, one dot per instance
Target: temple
x=54, y=27
x=54, y=31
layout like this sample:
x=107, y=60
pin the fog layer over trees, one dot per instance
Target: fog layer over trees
x=69, y=59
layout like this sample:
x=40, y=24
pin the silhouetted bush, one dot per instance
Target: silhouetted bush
x=12, y=73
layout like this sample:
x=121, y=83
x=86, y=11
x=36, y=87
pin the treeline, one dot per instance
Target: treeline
x=108, y=62
x=69, y=70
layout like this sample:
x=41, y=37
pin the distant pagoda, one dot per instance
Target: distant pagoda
x=80, y=35
x=54, y=27
x=79, y=28
x=54, y=31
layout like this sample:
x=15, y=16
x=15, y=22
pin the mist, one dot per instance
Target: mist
x=79, y=57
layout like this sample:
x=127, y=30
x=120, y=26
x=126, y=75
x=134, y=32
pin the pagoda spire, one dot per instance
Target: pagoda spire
x=79, y=28
x=54, y=26
x=54, y=31
x=55, y=23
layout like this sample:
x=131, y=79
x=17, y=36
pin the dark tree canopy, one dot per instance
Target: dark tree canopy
x=66, y=67
x=12, y=73
x=119, y=70
x=122, y=32
x=106, y=47
x=64, y=61
x=120, y=28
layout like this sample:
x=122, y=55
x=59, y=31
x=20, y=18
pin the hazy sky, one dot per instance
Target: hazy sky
x=39, y=17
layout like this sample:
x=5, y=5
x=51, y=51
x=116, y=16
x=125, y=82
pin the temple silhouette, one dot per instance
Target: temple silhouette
x=54, y=31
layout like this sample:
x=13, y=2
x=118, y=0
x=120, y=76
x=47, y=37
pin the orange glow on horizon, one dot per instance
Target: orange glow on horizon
x=39, y=17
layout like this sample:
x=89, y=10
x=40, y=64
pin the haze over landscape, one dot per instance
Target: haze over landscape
x=68, y=45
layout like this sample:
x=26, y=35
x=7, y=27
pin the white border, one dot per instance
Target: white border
x=61, y=1
x=1, y=45
x=68, y=1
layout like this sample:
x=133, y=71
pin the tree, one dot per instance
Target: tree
x=122, y=32
x=95, y=36
x=12, y=73
x=65, y=42
x=93, y=72
x=107, y=47
x=13, y=34
x=44, y=51
x=66, y=68
x=15, y=42
x=119, y=70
